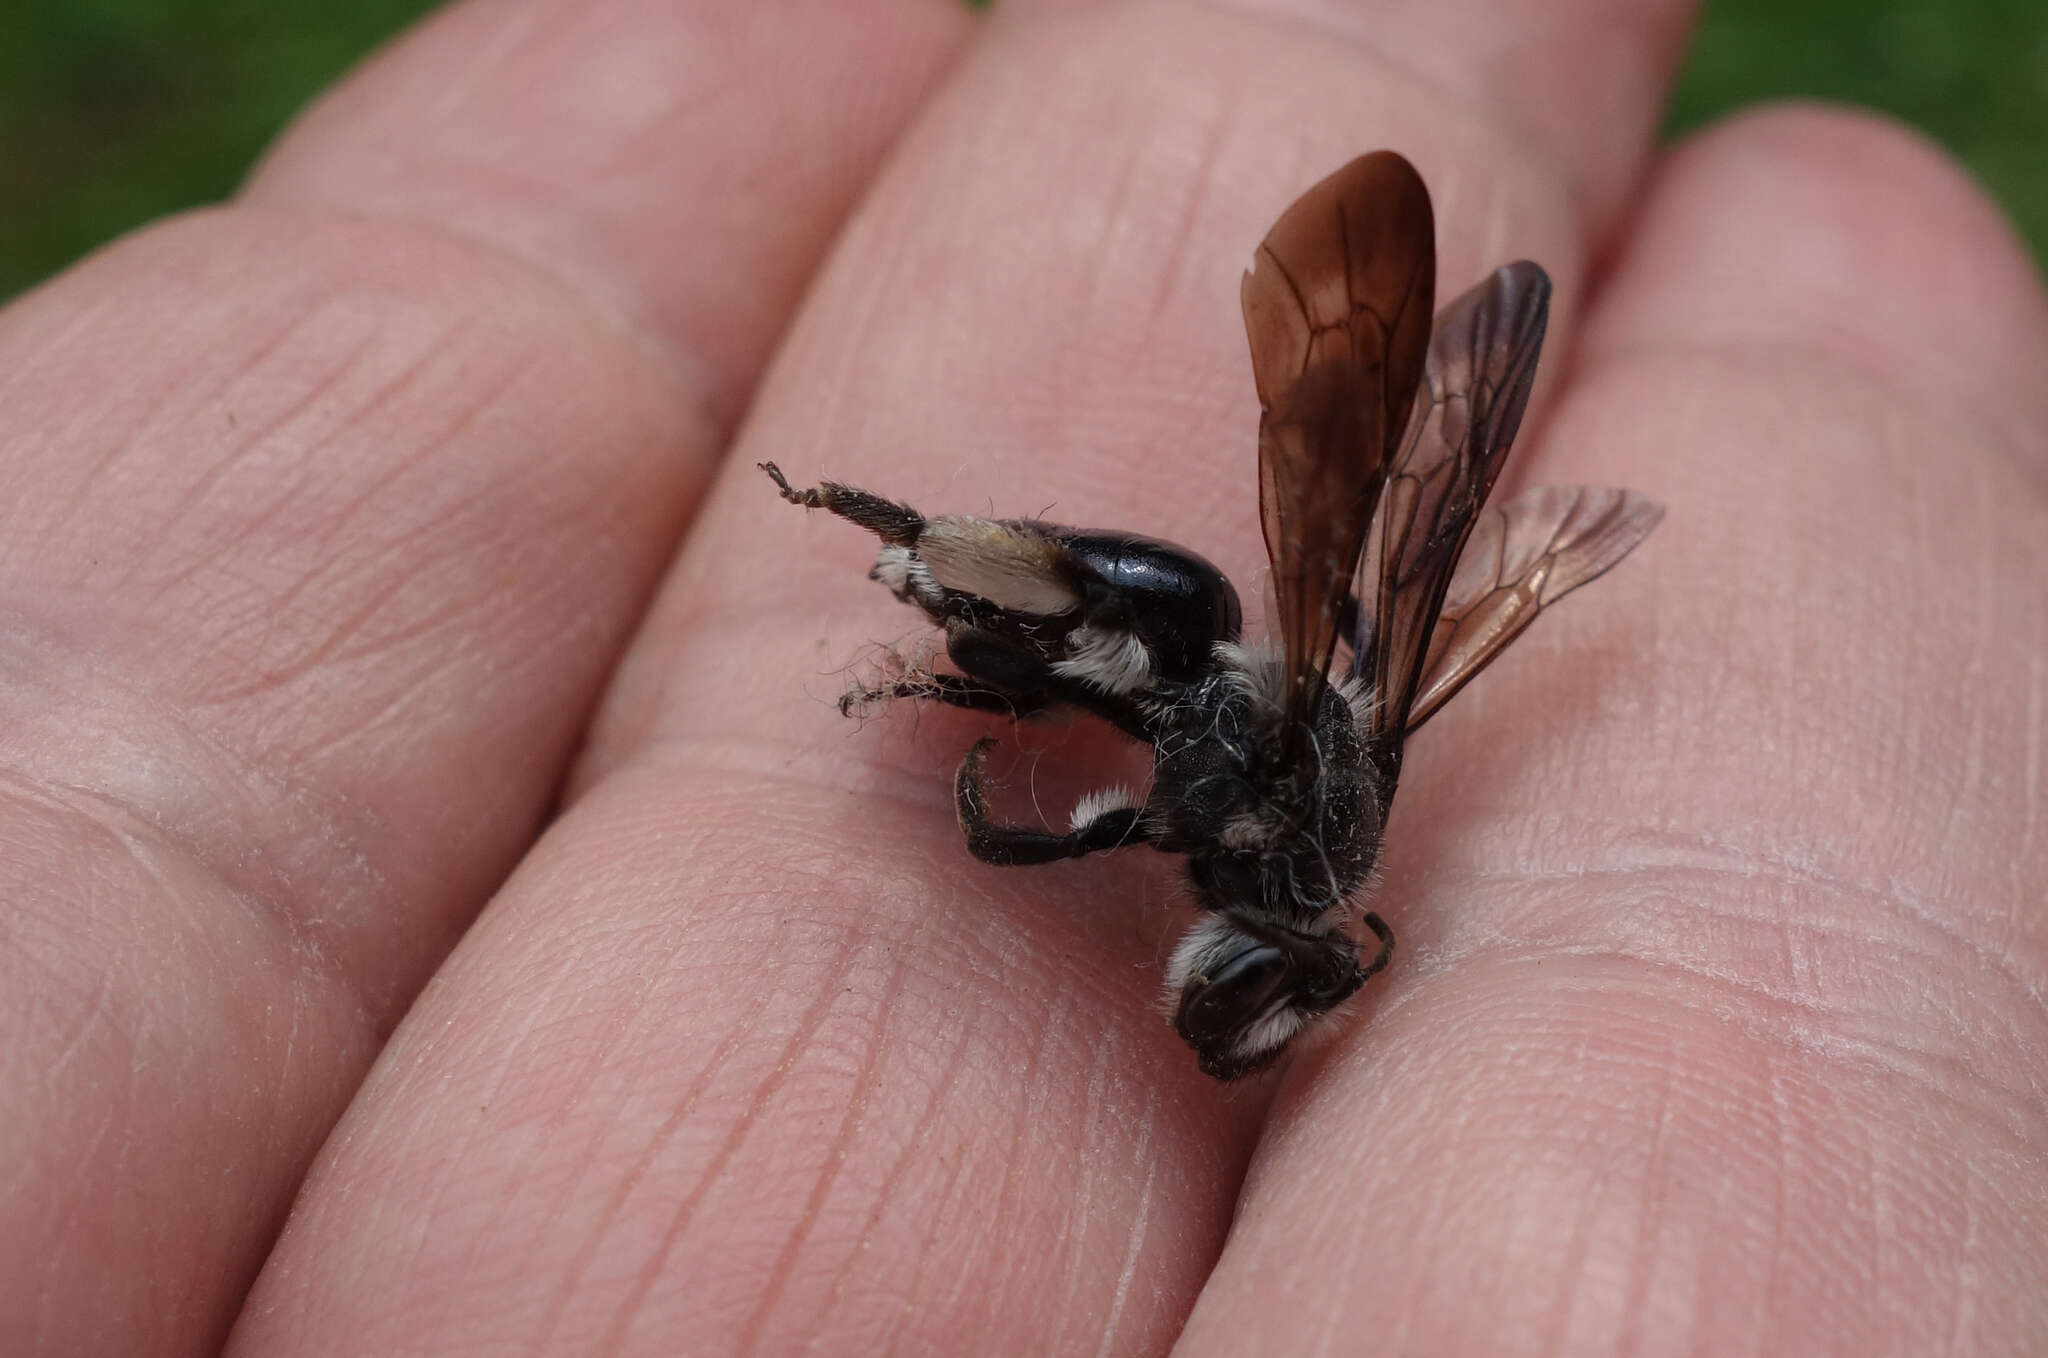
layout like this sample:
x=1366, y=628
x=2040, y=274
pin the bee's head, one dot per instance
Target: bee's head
x=1244, y=988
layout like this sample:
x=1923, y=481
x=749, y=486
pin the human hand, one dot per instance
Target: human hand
x=1716, y=1022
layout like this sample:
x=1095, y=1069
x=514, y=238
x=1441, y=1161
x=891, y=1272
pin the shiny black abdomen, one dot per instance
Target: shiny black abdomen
x=1178, y=603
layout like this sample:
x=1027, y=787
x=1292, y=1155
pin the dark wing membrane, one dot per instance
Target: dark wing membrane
x=1337, y=310
x=1482, y=364
x=1522, y=557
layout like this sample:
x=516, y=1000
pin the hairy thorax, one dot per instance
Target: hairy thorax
x=1290, y=826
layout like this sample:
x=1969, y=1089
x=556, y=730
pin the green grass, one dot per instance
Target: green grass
x=1973, y=74
x=113, y=112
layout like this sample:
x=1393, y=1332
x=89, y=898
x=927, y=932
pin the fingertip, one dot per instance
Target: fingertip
x=1837, y=231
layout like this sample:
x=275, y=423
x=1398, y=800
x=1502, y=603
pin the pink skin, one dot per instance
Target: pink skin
x=348, y=525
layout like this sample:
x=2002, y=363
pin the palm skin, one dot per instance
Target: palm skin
x=389, y=539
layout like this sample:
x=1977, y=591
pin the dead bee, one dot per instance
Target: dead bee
x=1380, y=438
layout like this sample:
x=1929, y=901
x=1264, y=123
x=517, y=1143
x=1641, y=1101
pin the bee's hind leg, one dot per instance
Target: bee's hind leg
x=1096, y=826
x=1386, y=949
x=955, y=690
x=896, y=524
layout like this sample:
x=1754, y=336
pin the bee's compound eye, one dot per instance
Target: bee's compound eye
x=1216, y=1008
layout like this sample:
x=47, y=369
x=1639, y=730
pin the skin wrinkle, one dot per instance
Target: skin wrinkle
x=1855, y=1148
x=775, y=1075
x=1688, y=884
x=437, y=634
x=1021, y=1185
x=1024, y=1131
x=416, y=1231
x=1837, y=1049
x=1963, y=1266
x=1744, y=865
x=1571, y=1276
x=685, y=1111
x=90, y=1008
x=1089, y=1134
x=576, y=1095
x=1095, y=1141
x=446, y=351
x=1892, y=888
x=94, y=466
x=923, y=1131
x=1453, y=1134
x=257, y=437
x=1466, y=1118
x=1779, y=1246
x=487, y=398
x=285, y=1060
x=1968, y=1286
x=988, y=952
x=1882, y=1221
x=393, y=707
x=1971, y=674
x=860, y=1096
x=337, y=524
x=171, y=393
x=277, y=504
x=54, y=334
x=1140, y=1226
x=65, y=1226
x=692, y=416
x=1635, y=1306
x=332, y=648
x=946, y=1199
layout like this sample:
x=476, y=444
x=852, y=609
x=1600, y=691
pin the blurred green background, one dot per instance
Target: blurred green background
x=116, y=111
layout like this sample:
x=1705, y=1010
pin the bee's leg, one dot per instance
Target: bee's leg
x=898, y=525
x=1094, y=829
x=1386, y=952
x=955, y=690
x=1009, y=668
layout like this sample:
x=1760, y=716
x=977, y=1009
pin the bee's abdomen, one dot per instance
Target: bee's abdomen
x=1176, y=603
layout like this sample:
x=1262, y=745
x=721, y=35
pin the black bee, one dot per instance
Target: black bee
x=1273, y=770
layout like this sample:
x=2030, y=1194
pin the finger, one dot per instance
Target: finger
x=682, y=171
x=1720, y=1022
x=781, y=1065
x=321, y=531
x=1576, y=87
x=1932, y=295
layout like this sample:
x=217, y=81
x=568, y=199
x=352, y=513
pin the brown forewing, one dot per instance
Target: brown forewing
x=1337, y=309
x=1482, y=365
x=1522, y=557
